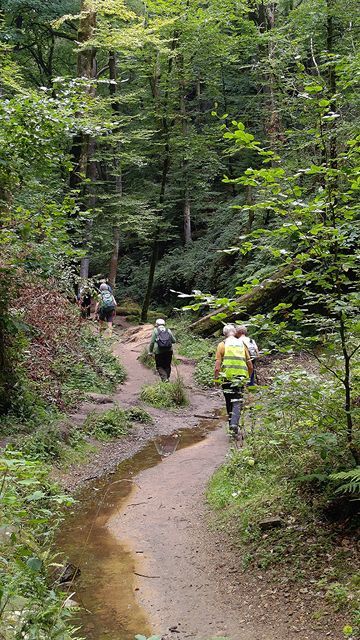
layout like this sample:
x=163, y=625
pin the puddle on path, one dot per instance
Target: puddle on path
x=106, y=588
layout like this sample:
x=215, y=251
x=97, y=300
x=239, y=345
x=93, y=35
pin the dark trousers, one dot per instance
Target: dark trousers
x=252, y=382
x=234, y=401
x=163, y=364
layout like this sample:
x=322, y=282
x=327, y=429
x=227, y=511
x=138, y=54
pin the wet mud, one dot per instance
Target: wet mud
x=107, y=587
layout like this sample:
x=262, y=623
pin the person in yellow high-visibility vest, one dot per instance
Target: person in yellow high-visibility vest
x=233, y=369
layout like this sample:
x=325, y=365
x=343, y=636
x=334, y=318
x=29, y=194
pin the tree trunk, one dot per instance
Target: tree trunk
x=185, y=132
x=114, y=257
x=154, y=83
x=249, y=199
x=247, y=304
x=84, y=146
x=114, y=260
x=153, y=263
x=91, y=175
x=187, y=219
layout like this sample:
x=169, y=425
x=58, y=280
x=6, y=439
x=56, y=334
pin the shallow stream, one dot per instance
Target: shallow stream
x=106, y=588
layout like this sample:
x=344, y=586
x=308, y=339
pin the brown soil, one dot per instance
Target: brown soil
x=108, y=455
x=192, y=584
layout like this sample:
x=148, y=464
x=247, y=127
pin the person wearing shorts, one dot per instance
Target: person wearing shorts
x=105, y=309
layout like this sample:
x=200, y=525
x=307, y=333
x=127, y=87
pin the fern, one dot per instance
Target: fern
x=352, y=478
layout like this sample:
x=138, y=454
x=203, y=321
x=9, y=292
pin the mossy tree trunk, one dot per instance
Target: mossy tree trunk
x=270, y=289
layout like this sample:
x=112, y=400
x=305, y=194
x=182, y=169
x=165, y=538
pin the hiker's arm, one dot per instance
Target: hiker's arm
x=173, y=339
x=152, y=342
x=249, y=363
x=218, y=362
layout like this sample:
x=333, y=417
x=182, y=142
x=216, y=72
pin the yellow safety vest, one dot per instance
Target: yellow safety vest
x=234, y=362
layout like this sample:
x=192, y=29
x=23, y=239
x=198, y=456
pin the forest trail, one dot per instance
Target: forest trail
x=153, y=563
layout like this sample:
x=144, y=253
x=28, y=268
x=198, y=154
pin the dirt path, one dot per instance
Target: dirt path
x=197, y=588
x=128, y=346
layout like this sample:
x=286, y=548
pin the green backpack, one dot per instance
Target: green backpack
x=107, y=300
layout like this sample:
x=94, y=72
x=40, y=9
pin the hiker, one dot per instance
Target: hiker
x=233, y=368
x=241, y=333
x=105, y=309
x=161, y=344
x=103, y=281
x=84, y=302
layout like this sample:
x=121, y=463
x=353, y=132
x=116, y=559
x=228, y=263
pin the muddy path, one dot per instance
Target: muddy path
x=128, y=345
x=140, y=534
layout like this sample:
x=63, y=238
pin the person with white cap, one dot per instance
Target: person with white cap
x=233, y=368
x=161, y=344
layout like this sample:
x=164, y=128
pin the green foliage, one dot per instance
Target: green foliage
x=138, y=414
x=204, y=372
x=31, y=510
x=296, y=438
x=113, y=423
x=95, y=369
x=201, y=350
x=45, y=444
x=165, y=395
x=147, y=359
x=352, y=481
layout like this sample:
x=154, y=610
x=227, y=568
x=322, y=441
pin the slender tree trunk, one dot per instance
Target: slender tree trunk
x=249, y=199
x=347, y=387
x=230, y=187
x=153, y=263
x=114, y=256
x=84, y=170
x=187, y=219
x=332, y=81
x=91, y=174
x=185, y=132
x=114, y=260
x=154, y=83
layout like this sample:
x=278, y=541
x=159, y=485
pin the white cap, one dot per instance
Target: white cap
x=104, y=287
x=159, y=322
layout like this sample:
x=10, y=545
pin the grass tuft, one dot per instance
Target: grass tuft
x=137, y=414
x=147, y=360
x=165, y=395
x=113, y=423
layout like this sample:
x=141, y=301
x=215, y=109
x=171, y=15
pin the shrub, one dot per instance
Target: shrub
x=30, y=512
x=137, y=414
x=44, y=444
x=128, y=308
x=165, y=395
x=113, y=423
x=95, y=369
x=204, y=373
x=296, y=440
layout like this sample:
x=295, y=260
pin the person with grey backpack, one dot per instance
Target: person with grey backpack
x=241, y=334
x=161, y=346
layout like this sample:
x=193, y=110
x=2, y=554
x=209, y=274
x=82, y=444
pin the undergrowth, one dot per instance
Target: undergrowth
x=95, y=369
x=147, y=359
x=34, y=423
x=201, y=350
x=278, y=496
x=165, y=395
x=115, y=422
x=31, y=509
